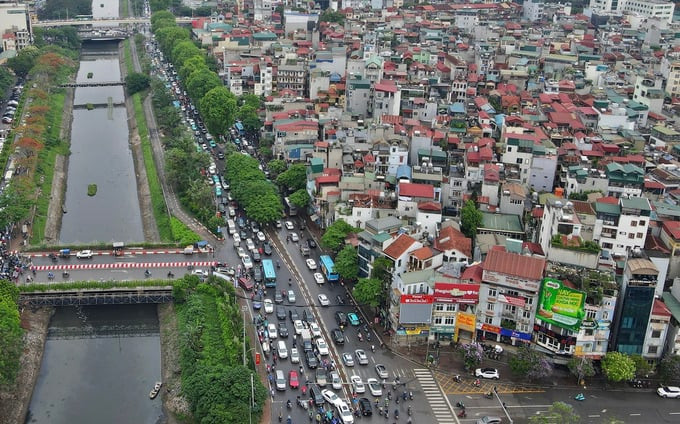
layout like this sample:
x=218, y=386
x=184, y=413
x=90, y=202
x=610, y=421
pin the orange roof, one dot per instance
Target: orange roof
x=452, y=239
x=499, y=260
x=399, y=246
x=660, y=309
x=423, y=253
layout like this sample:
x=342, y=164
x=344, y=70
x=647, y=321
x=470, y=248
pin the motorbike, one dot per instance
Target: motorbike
x=278, y=264
x=361, y=338
x=396, y=413
x=408, y=410
x=147, y=273
x=410, y=395
x=462, y=414
x=373, y=348
x=50, y=276
x=477, y=383
x=289, y=404
x=488, y=395
x=170, y=274
x=460, y=405
x=65, y=274
x=457, y=378
x=368, y=337
x=580, y=396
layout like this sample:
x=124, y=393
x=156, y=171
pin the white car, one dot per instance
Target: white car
x=668, y=391
x=330, y=397
x=314, y=328
x=268, y=306
x=260, y=236
x=362, y=358
x=84, y=254
x=487, y=373
x=291, y=296
x=357, y=385
x=382, y=371
x=322, y=346
x=318, y=277
x=374, y=386
x=323, y=300
x=271, y=330
x=336, y=381
x=289, y=226
x=247, y=262
x=250, y=244
x=200, y=273
x=345, y=413
x=298, y=326
x=311, y=264
x=241, y=252
x=348, y=359
x=294, y=237
x=294, y=356
x=237, y=238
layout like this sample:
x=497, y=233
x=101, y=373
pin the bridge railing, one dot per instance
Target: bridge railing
x=113, y=296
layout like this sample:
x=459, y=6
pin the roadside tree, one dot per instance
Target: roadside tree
x=559, y=412
x=294, y=178
x=618, y=367
x=11, y=333
x=472, y=354
x=194, y=63
x=170, y=36
x=201, y=82
x=300, y=199
x=368, y=291
x=277, y=166
x=581, y=367
x=334, y=237
x=218, y=108
x=183, y=51
x=249, y=117
x=642, y=368
x=669, y=368
x=24, y=61
x=347, y=263
x=530, y=364
x=136, y=82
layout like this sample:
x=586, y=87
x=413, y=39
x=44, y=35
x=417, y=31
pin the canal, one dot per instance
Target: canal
x=101, y=155
x=100, y=363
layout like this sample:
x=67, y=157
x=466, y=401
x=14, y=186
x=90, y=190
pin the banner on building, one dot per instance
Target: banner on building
x=415, y=309
x=465, y=321
x=456, y=293
x=560, y=305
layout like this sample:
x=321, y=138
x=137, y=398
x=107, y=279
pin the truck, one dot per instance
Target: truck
x=306, y=339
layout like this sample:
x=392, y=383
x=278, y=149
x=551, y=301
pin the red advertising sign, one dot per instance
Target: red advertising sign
x=514, y=301
x=456, y=293
x=417, y=298
x=257, y=359
x=491, y=328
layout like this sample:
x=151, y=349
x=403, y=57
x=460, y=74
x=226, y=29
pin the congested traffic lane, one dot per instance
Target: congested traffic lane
x=397, y=367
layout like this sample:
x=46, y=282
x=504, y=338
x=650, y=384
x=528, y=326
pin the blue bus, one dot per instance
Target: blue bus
x=328, y=268
x=239, y=128
x=269, y=273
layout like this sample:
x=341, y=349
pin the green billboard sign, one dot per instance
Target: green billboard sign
x=560, y=305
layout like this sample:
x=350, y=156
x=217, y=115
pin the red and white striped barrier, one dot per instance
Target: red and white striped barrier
x=125, y=265
x=125, y=253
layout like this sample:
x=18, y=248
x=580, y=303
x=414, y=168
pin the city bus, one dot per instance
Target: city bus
x=239, y=128
x=269, y=273
x=328, y=268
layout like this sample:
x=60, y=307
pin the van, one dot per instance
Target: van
x=232, y=212
x=282, y=349
x=280, y=380
x=232, y=226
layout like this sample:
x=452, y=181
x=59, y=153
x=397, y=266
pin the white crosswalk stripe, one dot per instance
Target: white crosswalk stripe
x=435, y=398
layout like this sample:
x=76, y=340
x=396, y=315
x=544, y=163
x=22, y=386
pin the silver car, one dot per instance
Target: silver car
x=362, y=358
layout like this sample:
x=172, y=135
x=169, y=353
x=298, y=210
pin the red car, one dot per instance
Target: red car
x=293, y=380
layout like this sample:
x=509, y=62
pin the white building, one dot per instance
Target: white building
x=533, y=11
x=622, y=227
x=657, y=331
x=658, y=9
x=15, y=19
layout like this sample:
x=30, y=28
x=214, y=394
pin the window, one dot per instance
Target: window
x=639, y=235
x=653, y=349
x=633, y=223
x=590, y=314
x=631, y=235
x=449, y=321
x=438, y=307
x=488, y=320
x=493, y=293
x=642, y=222
x=437, y=320
x=451, y=308
x=489, y=306
x=656, y=334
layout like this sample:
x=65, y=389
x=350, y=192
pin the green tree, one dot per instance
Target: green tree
x=136, y=82
x=162, y=19
x=277, y=166
x=218, y=108
x=530, y=364
x=470, y=219
x=559, y=412
x=618, y=366
x=329, y=15
x=642, y=367
x=169, y=36
x=250, y=100
x=202, y=81
x=347, y=263
x=581, y=367
x=472, y=354
x=294, y=178
x=183, y=51
x=335, y=235
x=24, y=61
x=15, y=202
x=300, y=199
x=249, y=117
x=368, y=291
x=191, y=65
x=11, y=333
x=669, y=368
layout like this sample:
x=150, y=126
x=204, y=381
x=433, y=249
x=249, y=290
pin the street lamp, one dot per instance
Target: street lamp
x=507, y=414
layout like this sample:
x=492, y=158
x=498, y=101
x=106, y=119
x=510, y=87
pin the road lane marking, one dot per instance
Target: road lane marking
x=594, y=416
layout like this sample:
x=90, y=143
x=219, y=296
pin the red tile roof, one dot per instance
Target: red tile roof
x=527, y=267
x=660, y=309
x=399, y=246
x=452, y=239
x=416, y=190
x=423, y=253
x=473, y=273
x=430, y=206
x=672, y=228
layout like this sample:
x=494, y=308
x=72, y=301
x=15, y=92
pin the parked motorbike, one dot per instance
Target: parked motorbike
x=488, y=395
x=457, y=378
x=580, y=396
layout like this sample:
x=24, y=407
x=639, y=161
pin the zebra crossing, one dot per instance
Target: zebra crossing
x=435, y=398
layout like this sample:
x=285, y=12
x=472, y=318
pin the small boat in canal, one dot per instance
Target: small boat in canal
x=155, y=390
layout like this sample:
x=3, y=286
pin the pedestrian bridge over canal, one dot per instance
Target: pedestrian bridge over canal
x=88, y=297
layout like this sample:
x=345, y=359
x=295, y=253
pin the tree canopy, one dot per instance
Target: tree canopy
x=368, y=291
x=24, y=61
x=618, y=367
x=258, y=197
x=294, y=178
x=669, y=368
x=581, y=367
x=217, y=109
x=347, y=263
x=470, y=219
x=530, y=364
x=334, y=237
x=11, y=333
x=559, y=412
x=136, y=82
x=300, y=199
x=277, y=166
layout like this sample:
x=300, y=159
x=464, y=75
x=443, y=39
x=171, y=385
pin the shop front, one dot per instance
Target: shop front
x=487, y=332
